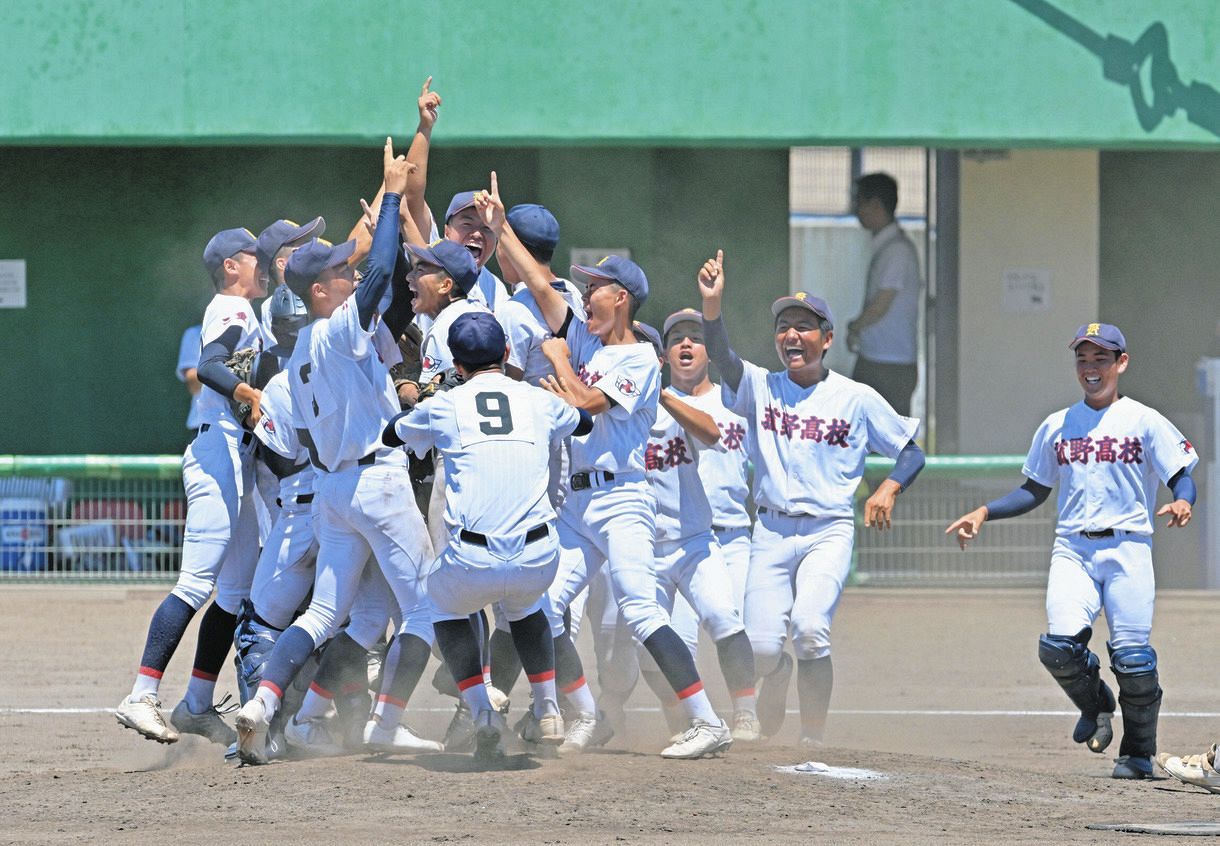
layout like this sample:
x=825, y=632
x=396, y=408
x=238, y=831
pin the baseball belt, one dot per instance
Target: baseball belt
x=537, y=533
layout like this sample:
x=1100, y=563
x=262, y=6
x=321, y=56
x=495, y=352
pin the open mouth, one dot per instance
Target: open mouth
x=794, y=353
x=1092, y=380
x=686, y=358
x=476, y=250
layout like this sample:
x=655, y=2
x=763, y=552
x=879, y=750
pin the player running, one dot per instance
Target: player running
x=1107, y=453
x=810, y=431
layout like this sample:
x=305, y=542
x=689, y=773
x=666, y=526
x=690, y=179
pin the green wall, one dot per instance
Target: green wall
x=686, y=72
x=113, y=238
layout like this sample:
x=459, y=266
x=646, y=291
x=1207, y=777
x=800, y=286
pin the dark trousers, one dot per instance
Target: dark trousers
x=895, y=382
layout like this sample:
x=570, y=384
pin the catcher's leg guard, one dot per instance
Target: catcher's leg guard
x=1078, y=672
x=1139, y=694
x=253, y=639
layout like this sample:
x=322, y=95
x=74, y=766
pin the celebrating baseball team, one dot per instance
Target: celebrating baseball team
x=421, y=458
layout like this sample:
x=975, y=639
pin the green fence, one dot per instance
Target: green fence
x=106, y=518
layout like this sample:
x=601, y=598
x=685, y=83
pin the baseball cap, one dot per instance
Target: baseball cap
x=225, y=245
x=686, y=315
x=621, y=270
x=283, y=233
x=307, y=263
x=534, y=225
x=1105, y=335
x=477, y=338
x=451, y=257
x=461, y=200
x=807, y=301
x=644, y=332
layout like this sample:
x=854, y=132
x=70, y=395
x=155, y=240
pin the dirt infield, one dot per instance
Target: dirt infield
x=910, y=667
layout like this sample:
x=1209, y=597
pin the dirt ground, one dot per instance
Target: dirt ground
x=904, y=659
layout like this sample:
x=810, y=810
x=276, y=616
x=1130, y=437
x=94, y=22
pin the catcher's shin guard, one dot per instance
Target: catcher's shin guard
x=1139, y=694
x=1078, y=672
x=253, y=639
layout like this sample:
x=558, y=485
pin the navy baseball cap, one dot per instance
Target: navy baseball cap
x=686, y=315
x=644, y=332
x=534, y=225
x=461, y=200
x=307, y=263
x=621, y=270
x=225, y=245
x=806, y=301
x=282, y=233
x=1105, y=335
x=452, y=258
x=477, y=338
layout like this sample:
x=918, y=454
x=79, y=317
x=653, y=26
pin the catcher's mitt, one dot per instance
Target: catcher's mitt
x=448, y=380
x=242, y=364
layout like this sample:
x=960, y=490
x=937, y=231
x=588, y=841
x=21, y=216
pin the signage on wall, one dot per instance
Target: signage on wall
x=1025, y=291
x=12, y=283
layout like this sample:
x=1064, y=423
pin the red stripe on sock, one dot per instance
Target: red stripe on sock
x=487, y=669
x=151, y=673
x=576, y=685
x=390, y=700
x=273, y=687
x=697, y=687
x=466, y=684
x=542, y=677
x=351, y=687
x=740, y=694
x=200, y=674
x=321, y=691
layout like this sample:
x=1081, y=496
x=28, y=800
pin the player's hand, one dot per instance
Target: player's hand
x=429, y=103
x=711, y=278
x=559, y=388
x=879, y=506
x=967, y=526
x=397, y=169
x=256, y=410
x=370, y=215
x=490, y=207
x=556, y=348
x=1179, y=512
x=408, y=393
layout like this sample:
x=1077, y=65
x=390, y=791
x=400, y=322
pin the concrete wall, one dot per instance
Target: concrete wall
x=1031, y=210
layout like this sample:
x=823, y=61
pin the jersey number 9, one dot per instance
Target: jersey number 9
x=493, y=405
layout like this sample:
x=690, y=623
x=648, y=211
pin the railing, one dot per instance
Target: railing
x=92, y=517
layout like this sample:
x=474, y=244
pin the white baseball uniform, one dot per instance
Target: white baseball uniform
x=808, y=446
x=1107, y=464
x=434, y=355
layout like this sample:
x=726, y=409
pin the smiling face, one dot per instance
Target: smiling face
x=468, y=229
x=686, y=354
x=331, y=289
x=800, y=343
x=431, y=286
x=1097, y=370
x=603, y=298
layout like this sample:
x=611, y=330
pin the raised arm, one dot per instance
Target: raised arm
x=711, y=289
x=697, y=423
x=362, y=232
x=429, y=104
x=386, y=246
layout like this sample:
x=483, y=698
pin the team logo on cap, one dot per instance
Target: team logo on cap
x=800, y=295
x=627, y=387
x=603, y=261
x=1094, y=329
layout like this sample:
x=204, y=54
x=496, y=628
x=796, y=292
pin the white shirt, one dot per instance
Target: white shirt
x=434, y=354
x=342, y=393
x=672, y=460
x=724, y=471
x=276, y=432
x=224, y=312
x=1107, y=464
x=495, y=435
x=526, y=329
x=630, y=376
x=809, y=444
x=188, y=359
x=894, y=267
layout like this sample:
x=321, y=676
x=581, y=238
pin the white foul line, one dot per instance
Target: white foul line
x=846, y=712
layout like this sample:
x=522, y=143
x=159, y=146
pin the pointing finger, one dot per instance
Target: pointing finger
x=720, y=257
x=495, y=185
x=427, y=82
x=389, y=150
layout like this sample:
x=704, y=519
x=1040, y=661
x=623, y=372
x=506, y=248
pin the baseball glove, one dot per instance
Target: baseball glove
x=242, y=364
x=448, y=380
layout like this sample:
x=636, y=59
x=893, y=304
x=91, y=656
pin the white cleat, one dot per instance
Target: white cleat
x=584, y=732
x=252, y=725
x=312, y=737
x=144, y=715
x=396, y=738
x=746, y=727
x=209, y=724
x=547, y=730
x=1199, y=770
x=702, y=738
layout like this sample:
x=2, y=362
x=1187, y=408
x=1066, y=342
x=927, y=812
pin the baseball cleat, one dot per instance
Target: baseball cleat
x=459, y=736
x=209, y=724
x=547, y=730
x=702, y=738
x=808, y=741
x=1099, y=738
x=144, y=715
x=773, y=696
x=252, y=725
x=1132, y=767
x=396, y=738
x=746, y=728
x=489, y=728
x=312, y=737
x=582, y=733
x=1199, y=770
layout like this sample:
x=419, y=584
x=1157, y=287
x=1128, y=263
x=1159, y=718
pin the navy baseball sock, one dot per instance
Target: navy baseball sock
x=343, y=662
x=405, y=668
x=568, y=669
x=672, y=656
x=460, y=649
x=815, y=677
x=215, y=637
x=506, y=664
x=291, y=652
x=737, y=663
x=532, y=639
x=165, y=631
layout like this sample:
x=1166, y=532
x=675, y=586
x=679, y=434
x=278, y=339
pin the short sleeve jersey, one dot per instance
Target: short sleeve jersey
x=630, y=376
x=809, y=444
x=495, y=436
x=526, y=329
x=223, y=313
x=725, y=472
x=1107, y=463
x=188, y=359
x=672, y=460
x=434, y=355
x=276, y=432
x=894, y=267
x=342, y=393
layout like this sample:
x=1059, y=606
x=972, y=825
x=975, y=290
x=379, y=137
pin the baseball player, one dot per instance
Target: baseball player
x=495, y=435
x=1107, y=453
x=220, y=546
x=608, y=513
x=342, y=398
x=272, y=249
x=810, y=431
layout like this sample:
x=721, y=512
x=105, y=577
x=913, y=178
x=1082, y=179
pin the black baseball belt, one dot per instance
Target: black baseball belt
x=1101, y=533
x=537, y=533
